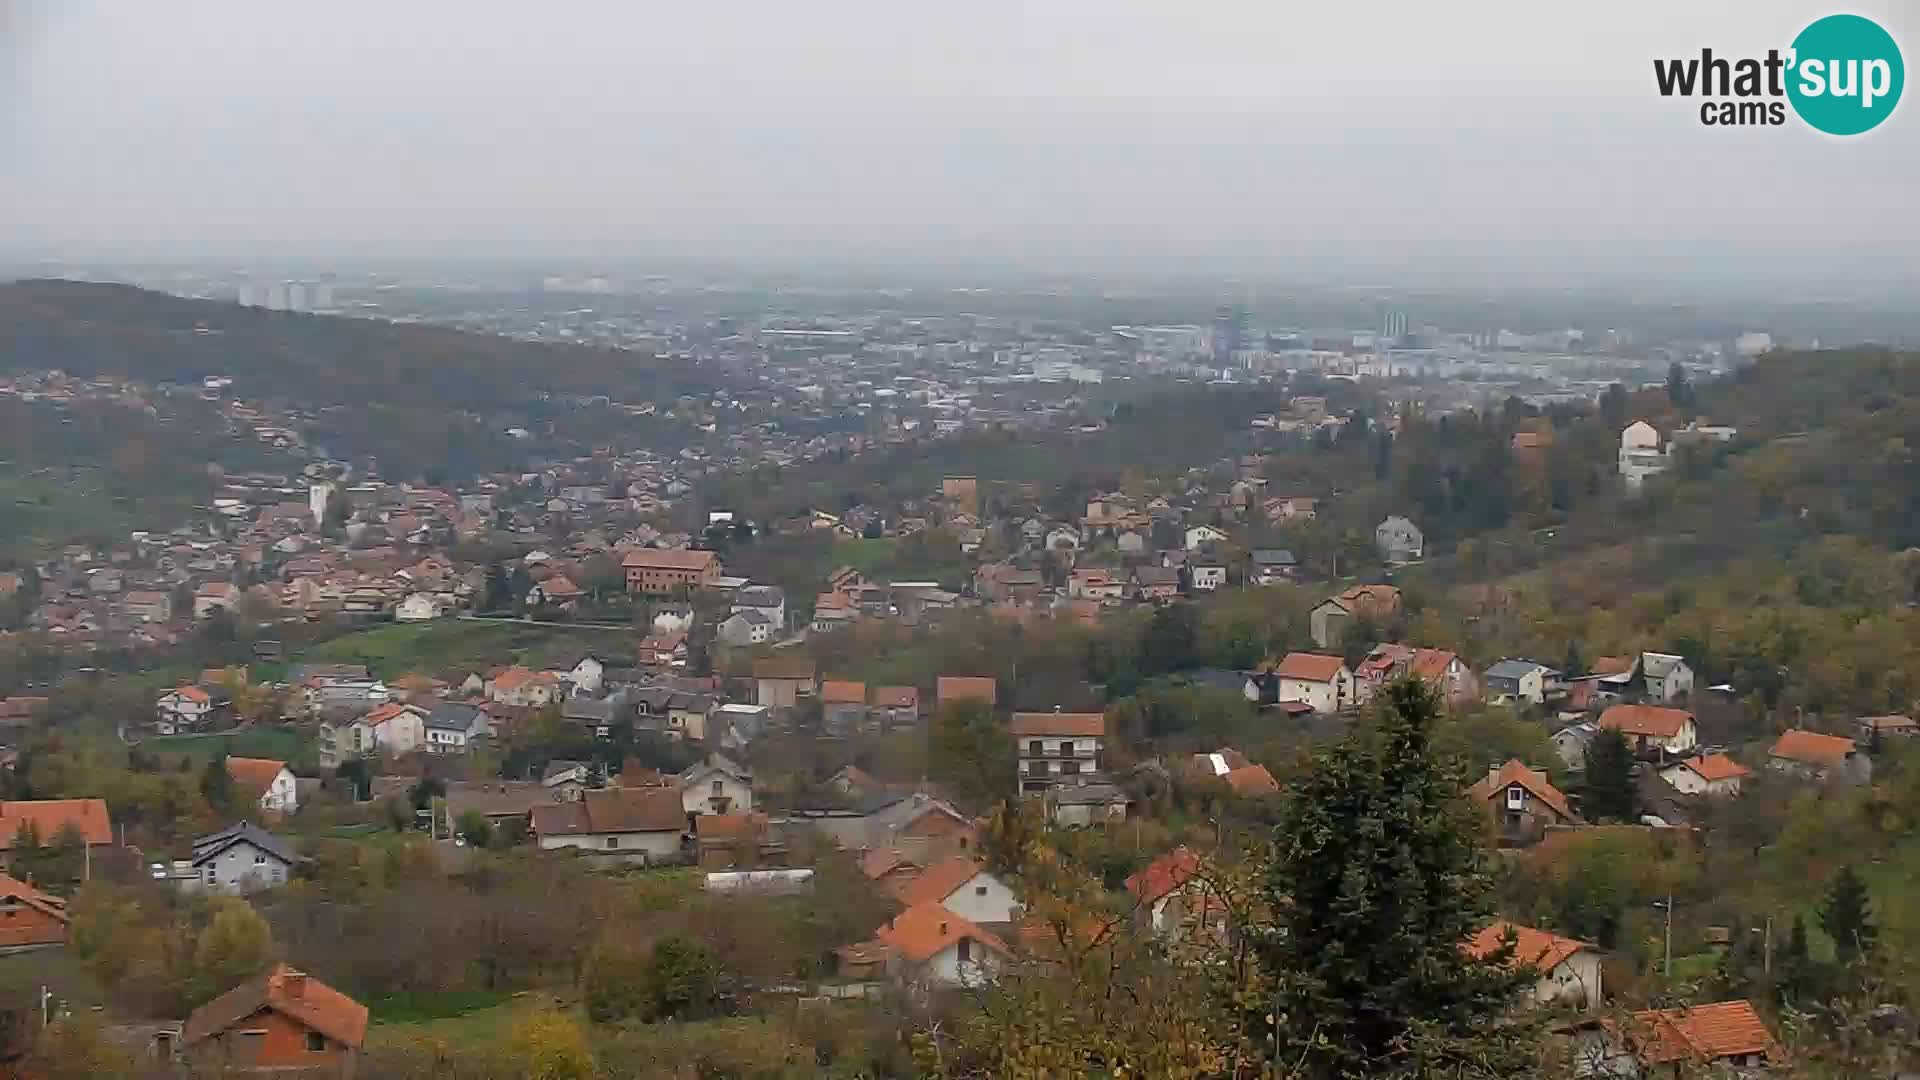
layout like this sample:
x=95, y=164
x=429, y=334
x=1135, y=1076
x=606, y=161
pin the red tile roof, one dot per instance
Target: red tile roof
x=720, y=828
x=1611, y=665
x=664, y=559
x=936, y=882
x=1066, y=724
x=1517, y=772
x=50, y=816
x=1701, y=1033
x=1532, y=948
x=1712, y=767
x=1164, y=874
x=1310, y=667
x=921, y=932
x=966, y=687
x=1811, y=747
x=301, y=997
x=15, y=936
x=254, y=775
x=1645, y=720
x=512, y=678
x=1251, y=780
x=880, y=862
x=841, y=692
x=1432, y=664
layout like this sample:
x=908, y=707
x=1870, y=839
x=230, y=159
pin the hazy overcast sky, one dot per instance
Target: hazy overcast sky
x=1525, y=132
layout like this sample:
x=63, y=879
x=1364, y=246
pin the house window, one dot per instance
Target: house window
x=1066, y=749
x=613, y=842
x=1071, y=768
x=316, y=1042
x=259, y=860
x=718, y=787
x=1034, y=749
x=979, y=890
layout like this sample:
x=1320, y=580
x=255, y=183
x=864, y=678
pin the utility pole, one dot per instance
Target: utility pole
x=1669, y=948
x=1767, y=952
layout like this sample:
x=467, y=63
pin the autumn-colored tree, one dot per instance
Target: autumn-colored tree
x=547, y=1044
x=236, y=945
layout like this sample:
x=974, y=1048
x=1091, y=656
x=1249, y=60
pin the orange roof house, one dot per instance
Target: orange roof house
x=254, y=775
x=936, y=882
x=1532, y=948
x=1651, y=720
x=923, y=931
x=32, y=918
x=841, y=692
x=284, y=1020
x=1727, y=1032
x=1059, y=725
x=896, y=697
x=1521, y=802
x=50, y=816
x=1251, y=780
x=1164, y=875
x=1810, y=749
x=951, y=688
x=1310, y=667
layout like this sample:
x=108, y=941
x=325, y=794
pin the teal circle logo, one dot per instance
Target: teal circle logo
x=1846, y=75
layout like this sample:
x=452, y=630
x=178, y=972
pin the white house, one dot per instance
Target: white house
x=1062, y=536
x=586, y=675
x=1710, y=774
x=451, y=728
x=641, y=825
x=239, y=859
x=1201, y=535
x=769, y=600
x=417, y=607
x=746, y=626
x=1569, y=970
x=964, y=887
x=187, y=708
x=1323, y=682
x=1206, y=577
x=1653, y=728
x=1641, y=455
x=672, y=619
x=717, y=785
x=1399, y=540
x=928, y=945
x=1668, y=677
x=1519, y=681
x=268, y=783
x=1056, y=747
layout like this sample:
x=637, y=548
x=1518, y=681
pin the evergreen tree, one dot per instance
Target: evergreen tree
x=1679, y=387
x=1609, y=794
x=1378, y=878
x=216, y=784
x=1575, y=665
x=499, y=595
x=1847, y=916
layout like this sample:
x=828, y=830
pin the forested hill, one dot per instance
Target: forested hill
x=93, y=329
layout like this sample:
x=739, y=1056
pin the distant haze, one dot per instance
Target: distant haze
x=1488, y=137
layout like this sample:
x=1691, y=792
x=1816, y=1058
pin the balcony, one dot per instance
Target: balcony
x=1054, y=751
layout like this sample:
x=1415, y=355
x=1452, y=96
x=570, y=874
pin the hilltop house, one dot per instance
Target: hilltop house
x=29, y=918
x=843, y=707
x=452, y=728
x=717, y=785
x=1653, y=729
x=238, y=859
x=282, y=1023
x=1521, y=802
x=1329, y=620
x=1399, y=540
x=267, y=783
x=783, y=681
x=1641, y=455
x=1569, y=970
x=1521, y=682
x=1811, y=754
x=927, y=945
x=1053, y=747
x=963, y=886
x=616, y=825
x=1710, y=774
x=1322, y=683
x=662, y=572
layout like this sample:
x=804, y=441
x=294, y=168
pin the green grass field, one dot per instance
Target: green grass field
x=448, y=646
x=278, y=743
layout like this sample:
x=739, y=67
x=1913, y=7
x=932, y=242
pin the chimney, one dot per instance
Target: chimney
x=1056, y=708
x=295, y=984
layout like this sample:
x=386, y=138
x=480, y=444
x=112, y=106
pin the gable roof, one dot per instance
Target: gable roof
x=843, y=692
x=254, y=774
x=896, y=697
x=1251, y=780
x=879, y=862
x=50, y=816
x=1515, y=669
x=1432, y=664
x=212, y=844
x=13, y=935
x=1517, y=772
x=453, y=716
x=921, y=932
x=291, y=993
x=1812, y=748
x=790, y=666
x=1712, y=767
x=966, y=687
x=613, y=810
x=666, y=559
x=1647, y=720
x=938, y=881
x=1701, y=1032
x=1164, y=874
x=1532, y=948
x=1612, y=665
x=1310, y=667
x=1078, y=725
